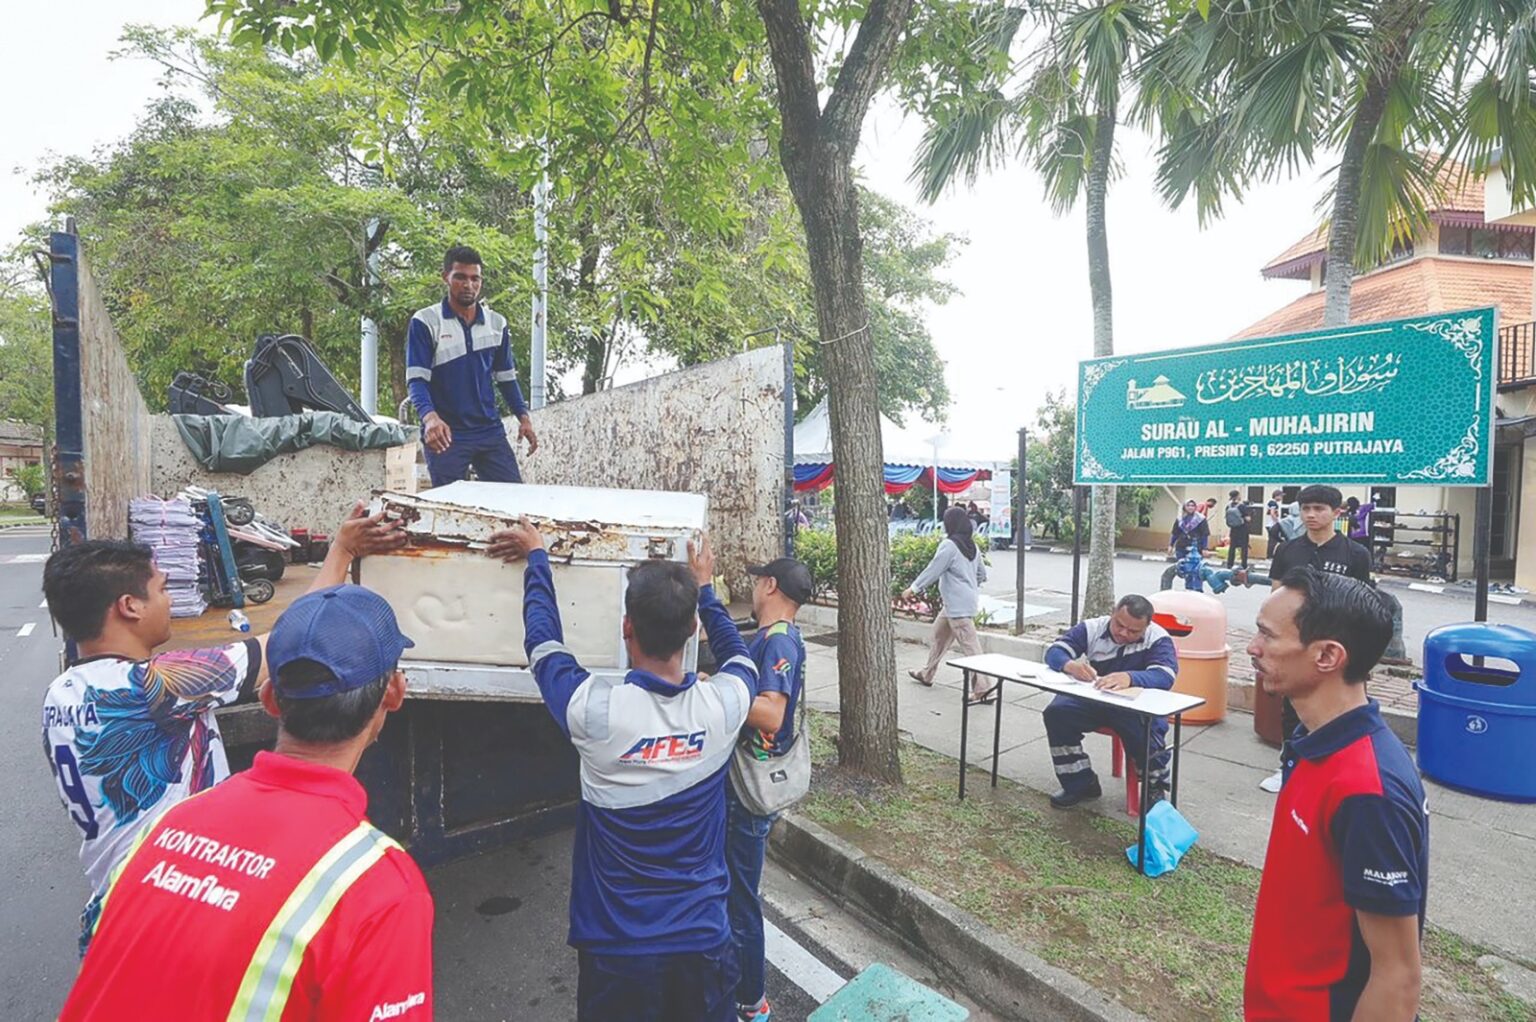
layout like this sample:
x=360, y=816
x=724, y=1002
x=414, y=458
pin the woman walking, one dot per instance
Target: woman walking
x=958, y=569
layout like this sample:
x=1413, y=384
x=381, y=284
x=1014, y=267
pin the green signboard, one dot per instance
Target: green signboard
x=1403, y=402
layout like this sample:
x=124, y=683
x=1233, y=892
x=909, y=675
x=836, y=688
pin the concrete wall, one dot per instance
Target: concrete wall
x=716, y=429
x=309, y=489
x=118, y=453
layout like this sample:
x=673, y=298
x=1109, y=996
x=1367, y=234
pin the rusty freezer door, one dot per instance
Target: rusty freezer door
x=464, y=610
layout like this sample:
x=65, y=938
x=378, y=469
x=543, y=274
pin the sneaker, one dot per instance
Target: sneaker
x=762, y=1011
x=1065, y=799
x=1272, y=783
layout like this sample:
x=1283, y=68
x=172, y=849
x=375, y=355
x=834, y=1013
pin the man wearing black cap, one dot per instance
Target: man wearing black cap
x=272, y=896
x=778, y=590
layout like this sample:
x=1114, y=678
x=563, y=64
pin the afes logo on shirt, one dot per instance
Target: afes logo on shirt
x=665, y=749
x=781, y=666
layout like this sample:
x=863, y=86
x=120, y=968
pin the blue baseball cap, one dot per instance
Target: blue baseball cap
x=349, y=630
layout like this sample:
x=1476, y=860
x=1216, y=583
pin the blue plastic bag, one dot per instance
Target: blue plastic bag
x=1169, y=836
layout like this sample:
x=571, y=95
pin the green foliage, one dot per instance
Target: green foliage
x=1247, y=94
x=30, y=479
x=818, y=549
x=205, y=231
x=26, y=345
x=910, y=554
x=1048, y=476
x=1133, y=507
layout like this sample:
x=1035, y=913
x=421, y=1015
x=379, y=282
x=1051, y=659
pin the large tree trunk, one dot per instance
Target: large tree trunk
x=816, y=148
x=1099, y=596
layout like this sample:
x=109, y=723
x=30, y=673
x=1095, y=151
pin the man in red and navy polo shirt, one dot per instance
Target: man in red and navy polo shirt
x=271, y=896
x=1341, y=906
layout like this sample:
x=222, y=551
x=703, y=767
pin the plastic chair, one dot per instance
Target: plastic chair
x=1118, y=761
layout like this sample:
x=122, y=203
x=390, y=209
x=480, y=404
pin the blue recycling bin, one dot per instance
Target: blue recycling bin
x=1477, y=710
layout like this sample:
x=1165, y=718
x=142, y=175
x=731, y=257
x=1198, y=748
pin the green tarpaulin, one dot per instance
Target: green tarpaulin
x=236, y=443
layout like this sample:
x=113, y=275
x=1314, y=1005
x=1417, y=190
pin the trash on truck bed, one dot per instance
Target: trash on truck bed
x=461, y=606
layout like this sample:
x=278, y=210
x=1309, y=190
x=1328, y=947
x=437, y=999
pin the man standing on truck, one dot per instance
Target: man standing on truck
x=454, y=352
x=130, y=732
x=648, y=873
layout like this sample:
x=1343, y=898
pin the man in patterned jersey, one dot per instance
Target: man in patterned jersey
x=271, y=896
x=129, y=733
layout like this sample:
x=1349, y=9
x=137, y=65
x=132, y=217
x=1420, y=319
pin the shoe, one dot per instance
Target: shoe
x=762, y=1011
x=1272, y=783
x=917, y=676
x=1157, y=795
x=1065, y=799
x=985, y=698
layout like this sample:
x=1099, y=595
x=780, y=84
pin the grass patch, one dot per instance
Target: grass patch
x=1060, y=884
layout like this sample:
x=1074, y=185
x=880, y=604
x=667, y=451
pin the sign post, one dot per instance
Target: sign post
x=1018, y=542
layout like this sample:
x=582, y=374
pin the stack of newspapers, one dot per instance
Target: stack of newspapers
x=173, y=530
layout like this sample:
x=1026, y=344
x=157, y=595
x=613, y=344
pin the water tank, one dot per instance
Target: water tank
x=1477, y=710
x=1198, y=624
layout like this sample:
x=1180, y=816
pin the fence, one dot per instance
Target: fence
x=1517, y=354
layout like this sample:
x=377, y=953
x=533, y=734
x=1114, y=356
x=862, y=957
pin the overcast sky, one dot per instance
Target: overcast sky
x=1016, y=330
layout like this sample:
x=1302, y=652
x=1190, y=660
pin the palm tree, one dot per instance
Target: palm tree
x=1057, y=109
x=1245, y=91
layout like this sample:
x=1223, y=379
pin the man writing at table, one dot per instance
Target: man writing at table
x=1125, y=650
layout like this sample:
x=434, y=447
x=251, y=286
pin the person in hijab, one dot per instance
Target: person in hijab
x=958, y=569
x=1190, y=529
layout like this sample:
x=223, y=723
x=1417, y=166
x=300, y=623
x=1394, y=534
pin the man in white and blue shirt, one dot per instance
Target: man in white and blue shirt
x=458, y=353
x=648, y=870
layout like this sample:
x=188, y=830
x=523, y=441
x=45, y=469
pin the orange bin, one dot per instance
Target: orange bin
x=1198, y=624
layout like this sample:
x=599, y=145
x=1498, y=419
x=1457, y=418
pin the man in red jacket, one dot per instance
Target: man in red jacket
x=271, y=896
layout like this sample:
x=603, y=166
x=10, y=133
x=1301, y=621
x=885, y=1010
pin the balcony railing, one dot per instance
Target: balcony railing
x=1517, y=354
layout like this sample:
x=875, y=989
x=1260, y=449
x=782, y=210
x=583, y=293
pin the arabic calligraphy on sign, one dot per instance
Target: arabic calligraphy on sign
x=1313, y=377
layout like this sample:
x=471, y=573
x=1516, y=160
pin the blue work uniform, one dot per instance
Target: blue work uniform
x=648, y=874
x=454, y=368
x=779, y=653
x=1151, y=661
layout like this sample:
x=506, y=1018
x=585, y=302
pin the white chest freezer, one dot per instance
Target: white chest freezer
x=464, y=610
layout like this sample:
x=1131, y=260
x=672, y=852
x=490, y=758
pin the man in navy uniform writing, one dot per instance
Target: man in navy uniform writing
x=458, y=353
x=1124, y=650
x=648, y=871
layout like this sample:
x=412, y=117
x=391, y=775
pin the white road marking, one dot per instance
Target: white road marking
x=804, y=969
x=43, y=605
x=26, y=630
x=1426, y=587
x=26, y=559
x=1513, y=601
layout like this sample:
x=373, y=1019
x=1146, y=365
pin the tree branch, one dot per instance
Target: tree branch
x=794, y=62
x=862, y=72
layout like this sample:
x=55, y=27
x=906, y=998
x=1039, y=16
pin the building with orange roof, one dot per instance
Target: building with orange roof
x=1463, y=258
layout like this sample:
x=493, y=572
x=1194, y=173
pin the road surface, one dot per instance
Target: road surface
x=1048, y=584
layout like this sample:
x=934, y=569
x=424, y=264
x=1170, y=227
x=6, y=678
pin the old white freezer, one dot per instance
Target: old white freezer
x=464, y=610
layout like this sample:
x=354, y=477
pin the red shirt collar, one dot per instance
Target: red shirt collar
x=281, y=771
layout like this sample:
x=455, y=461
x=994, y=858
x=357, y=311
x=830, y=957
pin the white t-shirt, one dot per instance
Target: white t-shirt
x=126, y=740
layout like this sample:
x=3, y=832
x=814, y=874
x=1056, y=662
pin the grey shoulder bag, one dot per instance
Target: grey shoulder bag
x=772, y=784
